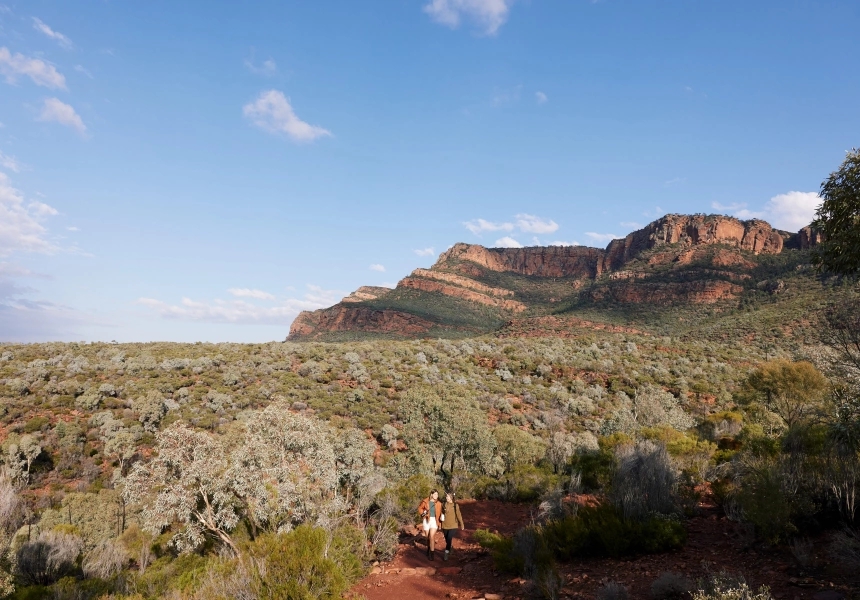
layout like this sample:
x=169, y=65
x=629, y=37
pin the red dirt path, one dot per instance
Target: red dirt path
x=714, y=543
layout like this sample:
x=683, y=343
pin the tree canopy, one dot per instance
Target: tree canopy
x=838, y=219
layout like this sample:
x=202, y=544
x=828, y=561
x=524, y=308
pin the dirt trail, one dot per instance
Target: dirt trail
x=714, y=543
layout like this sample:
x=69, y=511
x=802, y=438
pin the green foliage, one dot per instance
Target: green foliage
x=525, y=483
x=592, y=531
x=602, y=531
x=518, y=447
x=596, y=468
x=838, y=219
x=792, y=390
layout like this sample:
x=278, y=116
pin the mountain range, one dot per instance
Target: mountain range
x=679, y=275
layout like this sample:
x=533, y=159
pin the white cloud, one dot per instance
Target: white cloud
x=81, y=69
x=541, y=98
x=21, y=229
x=533, y=224
x=478, y=226
x=272, y=112
x=267, y=68
x=489, y=15
x=507, y=242
x=42, y=73
x=58, y=37
x=673, y=181
x=425, y=251
x=559, y=243
x=604, y=238
x=377, y=267
x=789, y=212
x=10, y=163
x=249, y=293
x=792, y=211
x=72, y=229
x=631, y=224
x=240, y=311
x=509, y=96
x=60, y=112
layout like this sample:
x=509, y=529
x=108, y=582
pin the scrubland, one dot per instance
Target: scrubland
x=284, y=470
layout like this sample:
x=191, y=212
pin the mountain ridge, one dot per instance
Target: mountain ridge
x=471, y=289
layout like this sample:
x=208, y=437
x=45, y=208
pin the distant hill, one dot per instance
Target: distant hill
x=679, y=275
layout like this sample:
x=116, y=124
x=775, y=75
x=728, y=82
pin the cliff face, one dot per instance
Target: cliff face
x=339, y=317
x=550, y=261
x=466, y=273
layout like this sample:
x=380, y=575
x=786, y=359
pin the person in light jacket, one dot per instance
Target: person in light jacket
x=451, y=521
x=430, y=510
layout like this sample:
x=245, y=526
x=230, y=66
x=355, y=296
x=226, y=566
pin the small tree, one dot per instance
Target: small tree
x=792, y=390
x=838, y=219
x=186, y=483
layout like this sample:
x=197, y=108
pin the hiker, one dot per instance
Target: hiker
x=451, y=521
x=431, y=515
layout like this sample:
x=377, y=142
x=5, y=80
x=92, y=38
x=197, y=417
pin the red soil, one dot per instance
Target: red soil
x=714, y=544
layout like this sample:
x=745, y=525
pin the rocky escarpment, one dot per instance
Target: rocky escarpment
x=341, y=318
x=717, y=252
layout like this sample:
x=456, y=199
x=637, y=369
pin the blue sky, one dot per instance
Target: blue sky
x=200, y=171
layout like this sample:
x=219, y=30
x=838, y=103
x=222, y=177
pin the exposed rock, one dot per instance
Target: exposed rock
x=695, y=292
x=462, y=281
x=356, y=318
x=694, y=230
x=428, y=285
x=808, y=237
x=551, y=261
x=710, y=254
x=366, y=292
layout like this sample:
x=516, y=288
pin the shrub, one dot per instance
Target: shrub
x=612, y=591
x=602, y=531
x=729, y=587
x=671, y=586
x=645, y=480
x=592, y=531
x=765, y=503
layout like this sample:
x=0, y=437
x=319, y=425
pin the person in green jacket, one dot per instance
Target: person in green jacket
x=451, y=521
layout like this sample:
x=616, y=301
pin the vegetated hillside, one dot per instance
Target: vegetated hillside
x=104, y=444
x=679, y=275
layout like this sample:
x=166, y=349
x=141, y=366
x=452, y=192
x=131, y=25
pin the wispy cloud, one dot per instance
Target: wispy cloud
x=40, y=72
x=377, y=267
x=561, y=243
x=267, y=68
x=21, y=228
x=81, y=69
x=603, y=238
x=533, y=224
x=789, y=212
x=10, y=163
x=430, y=251
x=54, y=110
x=502, y=97
x=479, y=226
x=251, y=293
x=541, y=98
x=674, y=181
x=507, y=242
x=523, y=222
x=272, y=112
x=631, y=224
x=58, y=37
x=488, y=15
x=241, y=311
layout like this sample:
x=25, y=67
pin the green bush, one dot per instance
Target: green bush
x=597, y=531
x=525, y=483
x=597, y=468
x=299, y=568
